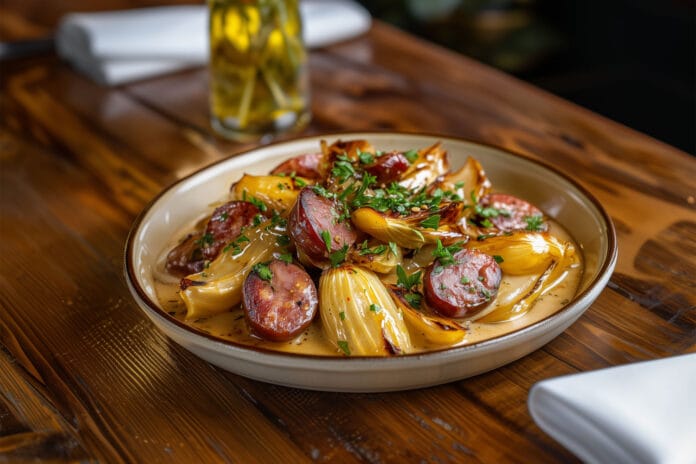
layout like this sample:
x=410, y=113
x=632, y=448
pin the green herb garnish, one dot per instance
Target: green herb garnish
x=326, y=237
x=432, y=222
x=337, y=257
x=263, y=271
x=411, y=156
x=343, y=345
x=406, y=281
x=445, y=254
x=535, y=223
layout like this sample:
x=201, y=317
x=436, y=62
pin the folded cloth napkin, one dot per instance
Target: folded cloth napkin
x=122, y=46
x=637, y=413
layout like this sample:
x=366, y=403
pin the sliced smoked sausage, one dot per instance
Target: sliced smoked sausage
x=316, y=220
x=508, y=213
x=389, y=167
x=186, y=258
x=279, y=300
x=465, y=287
x=306, y=166
x=225, y=225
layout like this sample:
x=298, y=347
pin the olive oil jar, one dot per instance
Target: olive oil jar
x=258, y=68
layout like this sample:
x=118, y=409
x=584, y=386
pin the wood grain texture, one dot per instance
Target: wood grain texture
x=84, y=377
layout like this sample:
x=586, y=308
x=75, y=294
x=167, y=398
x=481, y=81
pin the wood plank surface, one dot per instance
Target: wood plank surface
x=84, y=377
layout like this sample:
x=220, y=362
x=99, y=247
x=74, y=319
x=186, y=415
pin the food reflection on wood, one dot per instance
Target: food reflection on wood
x=424, y=258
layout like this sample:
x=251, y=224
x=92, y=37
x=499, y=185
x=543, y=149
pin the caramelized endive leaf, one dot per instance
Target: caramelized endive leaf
x=426, y=169
x=404, y=231
x=358, y=314
x=469, y=182
x=556, y=268
x=276, y=192
x=377, y=256
x=522, y=253
x=218, y=288
x=435, y=329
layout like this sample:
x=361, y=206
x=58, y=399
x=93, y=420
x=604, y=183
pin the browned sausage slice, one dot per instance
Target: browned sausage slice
x=225, y=225
x=279, y=300
x=508, y=213
x=314, y=220
x=465, y=287
x=389, y=167
x=306, y=166
x=186, y=258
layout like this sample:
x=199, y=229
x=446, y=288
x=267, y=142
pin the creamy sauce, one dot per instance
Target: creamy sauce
x=233, y=327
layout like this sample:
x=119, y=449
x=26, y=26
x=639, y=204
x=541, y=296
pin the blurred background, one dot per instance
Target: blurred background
x=630, y=60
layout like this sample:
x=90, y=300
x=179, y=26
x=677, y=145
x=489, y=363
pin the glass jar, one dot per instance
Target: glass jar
x=258, y=68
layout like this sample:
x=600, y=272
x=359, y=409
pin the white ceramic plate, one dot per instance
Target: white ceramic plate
x=554, y=193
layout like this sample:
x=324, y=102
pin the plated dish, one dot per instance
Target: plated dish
x=377, y=295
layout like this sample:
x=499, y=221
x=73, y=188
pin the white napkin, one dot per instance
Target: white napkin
x=637, y=413
x=122, y=46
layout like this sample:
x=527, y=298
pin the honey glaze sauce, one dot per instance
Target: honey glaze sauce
x=232, y=325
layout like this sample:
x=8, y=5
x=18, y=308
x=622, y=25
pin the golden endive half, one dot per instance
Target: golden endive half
x=434, y=329
x=276, y=192
x=358, y=315
x=399, y=230
x=524, y=252
x=218, y=288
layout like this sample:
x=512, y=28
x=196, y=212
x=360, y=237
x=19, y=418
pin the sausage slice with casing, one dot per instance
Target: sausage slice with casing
x=279, y=300
x=464, y=287
x=317, y=226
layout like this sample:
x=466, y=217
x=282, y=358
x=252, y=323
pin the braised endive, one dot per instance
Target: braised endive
x=218, y=288
x=358, y=315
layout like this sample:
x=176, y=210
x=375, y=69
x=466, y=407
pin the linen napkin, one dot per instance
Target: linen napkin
x=637, y=413
x=122, y=46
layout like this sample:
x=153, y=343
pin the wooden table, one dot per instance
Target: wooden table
x=85, y=376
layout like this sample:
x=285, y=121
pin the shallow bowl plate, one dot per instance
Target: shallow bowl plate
x=557, y=195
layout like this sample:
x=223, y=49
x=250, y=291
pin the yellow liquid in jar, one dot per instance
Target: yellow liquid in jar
x=258, y=64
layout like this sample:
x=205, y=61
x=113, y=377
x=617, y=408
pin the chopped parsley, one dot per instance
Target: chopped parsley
x=263, y=271
x=326, y=237
x=235, y=245
x=432, y=222
x=376, y=250
x=411, y=156
x=337, y=257
x=255, y=201
x=459, y=184
x=286, y=257
x=258, y=219
x=445, y=254
x=322, y=192
x=343, y=345
x=342, y=168
x=205, y=240
x=374, y=308
x=498, y=259
x=366, y=158
x=414, y=299
x=283, y=240
x=342, y=315
x=534, y=223
x=297, y=180
x=406, y=281
x=464, y=280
